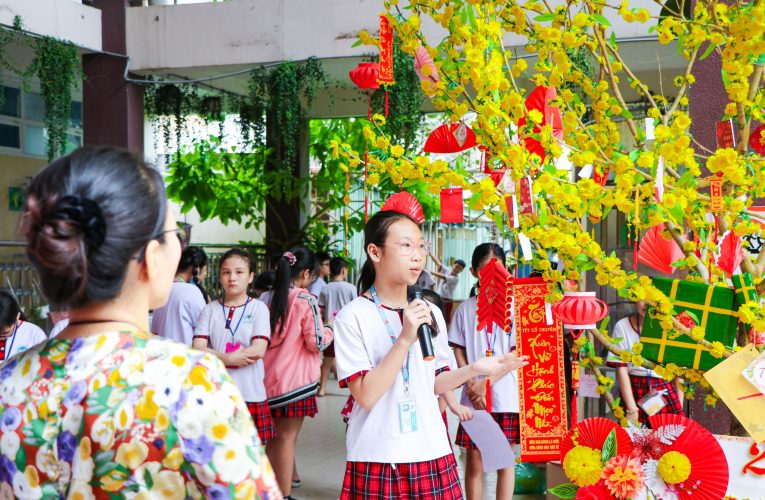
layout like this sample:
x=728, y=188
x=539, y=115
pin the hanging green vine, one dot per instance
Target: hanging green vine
x=57, y=66
x=168, y=106
x=405, y=99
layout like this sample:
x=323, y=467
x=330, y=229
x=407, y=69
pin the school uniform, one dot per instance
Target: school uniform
x=504, y=392
x=24, y=337
x=399, y=448
x=228, y=327
x=332, y=299
x=177, y=319
x=642, y=380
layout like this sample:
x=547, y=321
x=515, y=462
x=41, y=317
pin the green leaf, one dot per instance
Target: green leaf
x=609, y=447
x=605, y=322
x=544, y=17
x=617, y=340
x=148, y=479
x=356, y=43
x=601, y=19
x=612, y=40
x=21, y=458
x=626, y=113
x=707, y=52
x=567, y=490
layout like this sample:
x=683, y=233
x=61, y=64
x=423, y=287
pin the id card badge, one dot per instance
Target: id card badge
x=653, y=402
x=407, y=416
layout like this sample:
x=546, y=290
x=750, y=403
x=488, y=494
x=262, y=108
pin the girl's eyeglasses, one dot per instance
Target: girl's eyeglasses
x=406, y=247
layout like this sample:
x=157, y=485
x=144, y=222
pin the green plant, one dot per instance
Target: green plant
x=168, y=106
x=57, y=66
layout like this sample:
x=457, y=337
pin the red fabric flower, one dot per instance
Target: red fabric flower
x=597, y=491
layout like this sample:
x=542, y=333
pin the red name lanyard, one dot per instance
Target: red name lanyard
x=230, y=317
x=490, y=340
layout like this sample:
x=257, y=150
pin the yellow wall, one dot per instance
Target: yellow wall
x=14, y=171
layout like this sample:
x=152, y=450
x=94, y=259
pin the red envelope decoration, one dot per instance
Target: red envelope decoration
x=405, y=203
x=528, y=206
x=731, y=253
x=493, y=306
x=450, y=138
x=452, y=206
x=757, y=140
x=726, y=137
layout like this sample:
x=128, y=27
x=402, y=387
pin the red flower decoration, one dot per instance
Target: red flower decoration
x=596, y=491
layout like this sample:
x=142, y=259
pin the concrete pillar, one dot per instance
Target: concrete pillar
x=112, y=107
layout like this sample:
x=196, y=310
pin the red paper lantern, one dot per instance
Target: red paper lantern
x=580, y=311
x=451, y=206
x=365, y=76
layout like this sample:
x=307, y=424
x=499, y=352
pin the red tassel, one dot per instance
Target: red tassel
x=717, y=229
x=366, y=192
x=574, y=409
x=488, y=394
x=635, y=251
x=369, y=107
x=386, y=102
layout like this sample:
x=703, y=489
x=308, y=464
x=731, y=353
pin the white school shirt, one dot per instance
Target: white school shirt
x=462, y=333
x=316, y=287
x=27, y=336
x=335, y=296
x=250, y=322
x=361, y=343
x=177, y=319
x=629, y=337
x=448, y=283
x=58, y=328
x=426, y=280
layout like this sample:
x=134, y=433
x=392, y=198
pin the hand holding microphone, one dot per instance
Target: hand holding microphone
x=421, y=317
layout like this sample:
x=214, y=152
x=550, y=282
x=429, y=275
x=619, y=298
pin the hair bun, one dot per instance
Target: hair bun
x=86, y=214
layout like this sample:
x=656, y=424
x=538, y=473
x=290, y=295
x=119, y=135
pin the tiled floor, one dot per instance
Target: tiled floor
x=321, y=450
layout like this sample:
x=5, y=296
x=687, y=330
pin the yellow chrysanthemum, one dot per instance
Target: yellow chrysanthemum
x=582, y=465
x=674, y=467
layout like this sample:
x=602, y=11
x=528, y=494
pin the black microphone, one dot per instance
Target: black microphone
x=423, y=332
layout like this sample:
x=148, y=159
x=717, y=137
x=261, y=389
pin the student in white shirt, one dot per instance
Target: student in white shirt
x=449, y=277
x=16, y=335
x=333, y=298
x=321, y=273
x=470, y=345
x=237, y=329
x=397, y=445
x=177, y=319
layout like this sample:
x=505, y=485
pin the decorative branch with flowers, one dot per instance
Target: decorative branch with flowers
x=476, y=78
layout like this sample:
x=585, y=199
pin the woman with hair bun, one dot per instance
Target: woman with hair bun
x=106, y=409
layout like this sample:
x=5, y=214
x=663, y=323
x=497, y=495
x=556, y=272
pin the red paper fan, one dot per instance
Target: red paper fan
x=405, y=203
x=757, y=140
x=493, y=306
x=539, y=100
x=731, y=253
x=422, y=59
x=592, y=432
x=657, y=252
x=450, y=138
x=709, y=467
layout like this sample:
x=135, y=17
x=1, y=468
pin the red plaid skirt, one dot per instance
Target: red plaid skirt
x=510, y=424
x=261, y=417
x=642, y=385
x=305, y=407
x=434, y=480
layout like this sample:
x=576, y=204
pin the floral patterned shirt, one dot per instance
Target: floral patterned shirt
x=126, y=415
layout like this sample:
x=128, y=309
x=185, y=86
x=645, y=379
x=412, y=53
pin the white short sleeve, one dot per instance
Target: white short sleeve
x=261, y=326
x=444, y=354
x=204, y=323
x=457, y=327
x=351, y=356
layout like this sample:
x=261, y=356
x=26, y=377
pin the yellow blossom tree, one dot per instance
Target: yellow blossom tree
x=479, y=77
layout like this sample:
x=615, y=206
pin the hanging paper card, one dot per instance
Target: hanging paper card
x=755, y=373
x=586, y=171
x=717, y=202
x=386, y=51
x=649, y=129
x=541, y=383
x=493, y=303
x=451, y=206
x=526, y=196
x=659, y=180
x=745, y=402
x=512, y=211
x=726, y=138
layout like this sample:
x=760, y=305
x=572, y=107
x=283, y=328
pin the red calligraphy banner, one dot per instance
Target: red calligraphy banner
x=386, y=52
x=541, y=387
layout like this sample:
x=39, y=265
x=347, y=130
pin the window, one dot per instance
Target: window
x=22, y=123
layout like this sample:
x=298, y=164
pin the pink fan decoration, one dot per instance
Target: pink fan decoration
x=407, y=204
x=422, y=60
x=450, y=138
x=658, y=252
x=539, y=100
x=731, y=253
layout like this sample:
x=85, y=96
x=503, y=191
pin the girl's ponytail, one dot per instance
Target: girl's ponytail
x=289, y=266
x=367, y=277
